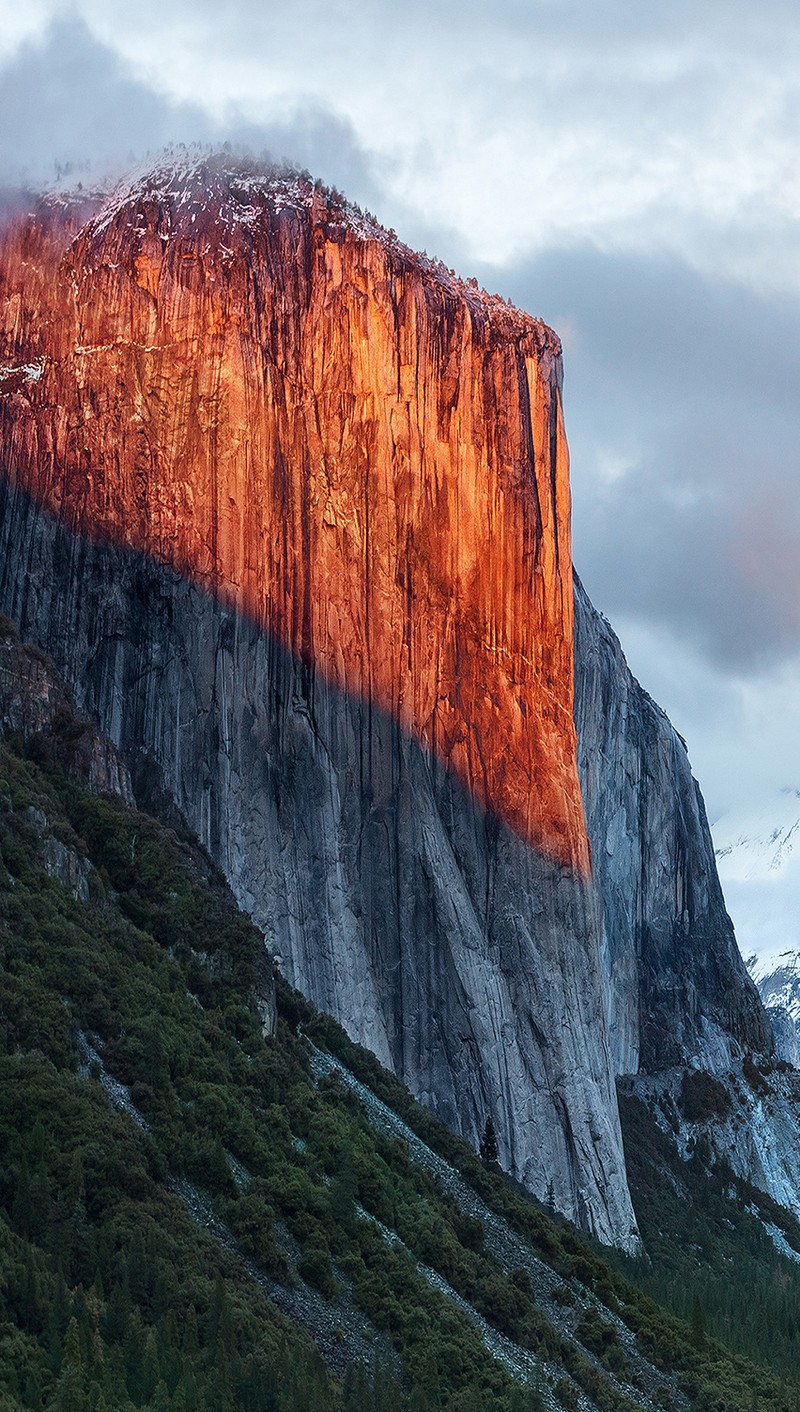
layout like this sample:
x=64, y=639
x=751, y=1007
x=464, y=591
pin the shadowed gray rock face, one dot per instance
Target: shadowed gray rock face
x=467, y=962
x=784, y=1031
x=33, y=700
x=678, y=991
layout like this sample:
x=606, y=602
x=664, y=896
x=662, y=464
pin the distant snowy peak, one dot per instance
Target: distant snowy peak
x=761, y=844
x=758, y=858
x=778, y=981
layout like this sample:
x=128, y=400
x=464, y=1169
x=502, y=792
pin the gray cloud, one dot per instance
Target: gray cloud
x=526, y=124
x=611, y=24
x=684, y=429
x=69, y=103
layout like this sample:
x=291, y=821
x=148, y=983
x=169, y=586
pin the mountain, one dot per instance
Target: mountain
x=210, y=1198
x=288, y=505
x=759, y=864
x=762, y=841
x=779, y=988
x=778, y=981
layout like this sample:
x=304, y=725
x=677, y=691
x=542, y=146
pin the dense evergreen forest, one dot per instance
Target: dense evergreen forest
x=711, y=1256
x=197, y=1213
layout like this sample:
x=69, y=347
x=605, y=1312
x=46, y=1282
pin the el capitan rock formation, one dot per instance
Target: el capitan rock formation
x=289, y=507
x=349, y=448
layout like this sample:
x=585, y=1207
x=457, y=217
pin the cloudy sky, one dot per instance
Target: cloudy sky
x=628, y=172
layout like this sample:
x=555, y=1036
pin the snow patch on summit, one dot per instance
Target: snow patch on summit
x=241, y=191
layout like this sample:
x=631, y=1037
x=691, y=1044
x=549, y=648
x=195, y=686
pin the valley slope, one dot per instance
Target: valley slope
x=210, y=1198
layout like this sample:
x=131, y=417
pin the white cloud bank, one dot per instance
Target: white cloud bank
x=524, y=127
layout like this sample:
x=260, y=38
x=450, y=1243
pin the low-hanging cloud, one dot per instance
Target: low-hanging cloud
x=67, y=103
x=526, y=125
x=71, y=106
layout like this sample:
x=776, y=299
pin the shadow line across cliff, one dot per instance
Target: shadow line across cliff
x=464, y=958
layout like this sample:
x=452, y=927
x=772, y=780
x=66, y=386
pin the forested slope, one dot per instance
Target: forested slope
x=210, y=1198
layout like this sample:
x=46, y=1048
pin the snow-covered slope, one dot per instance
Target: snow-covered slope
x=779, y=985
x=758, y=855
x=761, y=843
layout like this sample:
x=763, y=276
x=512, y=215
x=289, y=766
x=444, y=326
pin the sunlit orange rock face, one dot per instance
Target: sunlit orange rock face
x=246, y=380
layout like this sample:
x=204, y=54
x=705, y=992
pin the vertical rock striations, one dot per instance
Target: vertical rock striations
x=289, y=506
x=35, y=703
x=678, y=989
x=256, y=387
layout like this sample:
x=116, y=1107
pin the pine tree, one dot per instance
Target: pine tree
x=34, y=1386
x=219, y=1333
x=357, y=1395
x=28, y=1296
x=489, y=1144
x=150, y=1371
x=387, y=1392
x=155, y=1060
x=698, y=1324
x=134, y=1355
x=22, y=1208
x=76, y=1182
x=527, y=1399
x=117, y=1310
x=191, y=1342
x=73, y=1352
x=56, y=1325
x=160, y=1401
x=418, y=1401
x=138, y=1270
x=343, y=1193
x=69, y=1391
x=179, y=1399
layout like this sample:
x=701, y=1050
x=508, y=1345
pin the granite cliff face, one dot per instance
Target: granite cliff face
x=678, y=994
x=678, y=989
x=255, y=386
x=289, y=507
x=35, y=702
